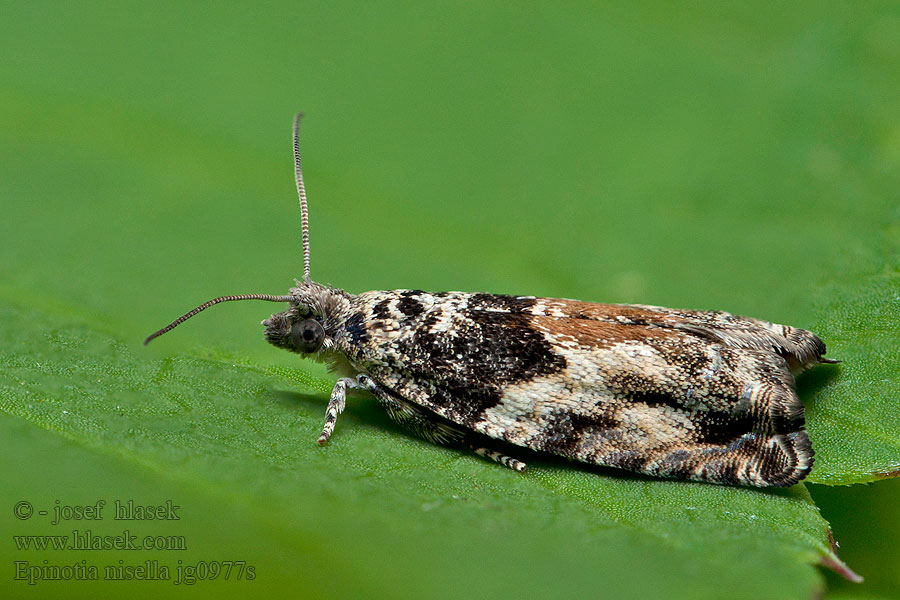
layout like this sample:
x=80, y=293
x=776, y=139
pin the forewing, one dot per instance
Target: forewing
x=685, y=394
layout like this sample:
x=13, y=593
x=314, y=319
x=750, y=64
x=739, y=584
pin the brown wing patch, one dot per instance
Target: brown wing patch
x=576, y=309
x=602, y=334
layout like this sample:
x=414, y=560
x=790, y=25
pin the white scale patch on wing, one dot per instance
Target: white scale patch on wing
x=450, y=317
x=527, y=408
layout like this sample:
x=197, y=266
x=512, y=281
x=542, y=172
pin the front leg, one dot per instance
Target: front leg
x=338, y=401
x=336, y=404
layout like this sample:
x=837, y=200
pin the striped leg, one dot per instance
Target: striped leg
x=507, y=461
x=336, y=405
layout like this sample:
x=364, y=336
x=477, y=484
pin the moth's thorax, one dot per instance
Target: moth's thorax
x=328, y=306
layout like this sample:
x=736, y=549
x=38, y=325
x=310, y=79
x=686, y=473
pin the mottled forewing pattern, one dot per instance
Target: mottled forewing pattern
x=686, y=394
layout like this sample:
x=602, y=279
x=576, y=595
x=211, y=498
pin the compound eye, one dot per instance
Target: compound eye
x=307, y=335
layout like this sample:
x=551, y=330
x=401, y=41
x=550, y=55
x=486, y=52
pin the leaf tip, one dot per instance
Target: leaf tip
x=831, y=561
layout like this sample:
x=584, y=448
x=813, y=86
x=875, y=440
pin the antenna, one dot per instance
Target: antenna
x=209, y=303
x=301, y=192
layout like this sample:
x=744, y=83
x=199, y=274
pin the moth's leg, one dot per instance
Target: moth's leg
x=427, y=425
x=507, y=461
x=336, y=405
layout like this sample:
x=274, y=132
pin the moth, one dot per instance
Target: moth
x=685, y=394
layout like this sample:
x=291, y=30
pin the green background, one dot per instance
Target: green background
x=742, y=158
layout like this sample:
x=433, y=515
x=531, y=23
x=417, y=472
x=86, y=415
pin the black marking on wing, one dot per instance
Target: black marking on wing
x=355, y=330
x=471, y=365
x=561, y=432
x=718, y=427
x=382, y=310
x=409, y=306
x=491, y=345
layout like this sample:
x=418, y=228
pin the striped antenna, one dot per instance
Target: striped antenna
x=301, y=192
x=209, y=303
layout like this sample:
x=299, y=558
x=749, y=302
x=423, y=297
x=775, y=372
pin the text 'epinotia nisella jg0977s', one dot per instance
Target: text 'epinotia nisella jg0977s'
x=685, y=394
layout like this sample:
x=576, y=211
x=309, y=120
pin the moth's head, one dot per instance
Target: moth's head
x=314, y=318
x=312, y=322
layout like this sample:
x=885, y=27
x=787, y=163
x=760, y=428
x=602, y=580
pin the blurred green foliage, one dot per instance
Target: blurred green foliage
x=740, y=157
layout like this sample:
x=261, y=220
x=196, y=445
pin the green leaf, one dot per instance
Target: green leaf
x=222, y=439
